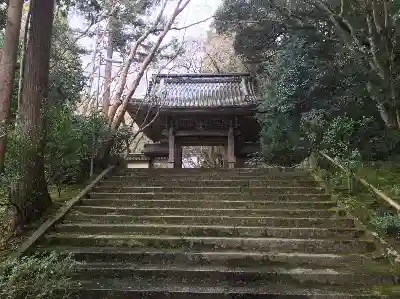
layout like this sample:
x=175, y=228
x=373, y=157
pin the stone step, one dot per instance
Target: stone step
x=215, y=176
x=211, y=243
x=124, y=289
x=229, y=171
x=132, y=211
x=209, y=231
x=245, y=190
x=347, y=262
x=276, y=221
x=212, y=196
x=237, y=204
x=235, y=276
x=194, y=182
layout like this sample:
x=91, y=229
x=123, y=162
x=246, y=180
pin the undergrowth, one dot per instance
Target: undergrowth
x=387, y=224
x=37, y=276
x=374, y=212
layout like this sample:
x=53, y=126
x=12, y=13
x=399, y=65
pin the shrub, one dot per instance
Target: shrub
x=388, y=224
x=37, y=276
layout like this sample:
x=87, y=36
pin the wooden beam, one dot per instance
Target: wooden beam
x=205, y=133
x=201, y=140
x=248, y=110
x=203, y=75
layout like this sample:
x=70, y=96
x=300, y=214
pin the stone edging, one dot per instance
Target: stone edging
x=38, y=233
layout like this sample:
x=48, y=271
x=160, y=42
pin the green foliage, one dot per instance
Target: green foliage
x=383, y=175
x=3, y=16
x=71, y=139
x=254, y=43
x=315, y=92
x=71, y=142
x=16, y=146
x=66, y=79
x=388, y=224
x=65, y=84
x=37, y=276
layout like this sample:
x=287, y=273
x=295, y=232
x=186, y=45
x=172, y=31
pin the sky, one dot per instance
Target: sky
x=197, y=10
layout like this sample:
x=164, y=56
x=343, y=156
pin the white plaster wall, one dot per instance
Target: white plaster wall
x=138, y=164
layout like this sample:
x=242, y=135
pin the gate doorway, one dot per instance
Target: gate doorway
x=204, y=157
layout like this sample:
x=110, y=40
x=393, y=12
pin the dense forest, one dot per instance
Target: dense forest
x=328, y=73
x=56, y=118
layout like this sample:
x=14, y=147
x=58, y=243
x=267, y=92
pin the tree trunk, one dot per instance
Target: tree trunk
x=116, y=122
x=23, y=55
x=7, y=70
x=31, y=196
x=88, y=105
x=108, y=69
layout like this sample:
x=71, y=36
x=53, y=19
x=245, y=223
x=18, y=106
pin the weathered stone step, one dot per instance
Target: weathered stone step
x=235, y=276
x=211, y=243
x=203, y=211
x=212, y=174
x=215, y=176
x=245, y=190
x=212, y=196
x=345, y=262
x=209, y=231
x=229, y=171
x=124, y=289
x=322, y=222
x=237, y=204
x=195, y=182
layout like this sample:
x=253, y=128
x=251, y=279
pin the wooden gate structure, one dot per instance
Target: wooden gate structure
x=199, y=109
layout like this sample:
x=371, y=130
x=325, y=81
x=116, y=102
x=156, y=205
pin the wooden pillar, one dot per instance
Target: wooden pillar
x=226, y=165
x=151, y=162
x=178, y=155
x=172, y=148
x=231, y=148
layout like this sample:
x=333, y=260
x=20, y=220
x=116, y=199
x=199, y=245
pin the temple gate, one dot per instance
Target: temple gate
x=199, y=109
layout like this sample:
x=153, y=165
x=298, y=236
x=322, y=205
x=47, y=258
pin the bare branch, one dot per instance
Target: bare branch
x=131, y=57
x=92, y=23
x=215, y=64
x=180, y=9
x=348, y=31
x=374, y=49
x=341, y=8
x=185, y=27
x=146, y=63
x=376, y=17
x=386, y=12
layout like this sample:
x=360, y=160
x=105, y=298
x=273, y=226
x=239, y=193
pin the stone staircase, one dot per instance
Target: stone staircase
x=229, y=233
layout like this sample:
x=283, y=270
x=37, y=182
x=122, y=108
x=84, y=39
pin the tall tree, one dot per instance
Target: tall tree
x=7, y=70
x=315, y=75
x=116, y=118
x=109, y=65
x=31, y=197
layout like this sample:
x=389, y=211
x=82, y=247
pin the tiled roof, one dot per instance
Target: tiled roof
x=201, y=91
